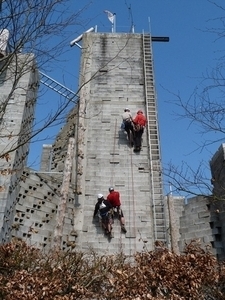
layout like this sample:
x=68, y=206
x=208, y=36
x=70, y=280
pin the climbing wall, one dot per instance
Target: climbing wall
x=112, y=75
x=36, y=211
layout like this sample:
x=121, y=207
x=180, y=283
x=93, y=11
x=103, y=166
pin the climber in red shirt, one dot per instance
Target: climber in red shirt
x=139, y=124
x=114, y=198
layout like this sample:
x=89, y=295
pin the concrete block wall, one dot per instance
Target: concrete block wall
x=59, y=147
x=217, y=165
x=112, y=68
x=36, y=209
x=18, y=97
x=219, y=231
x=101, y=159
x=112, y=74
x=217, y=224
x=46, y=158
x=201, y=221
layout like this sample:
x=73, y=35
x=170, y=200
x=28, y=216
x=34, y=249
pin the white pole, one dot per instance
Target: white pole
x=149, y=25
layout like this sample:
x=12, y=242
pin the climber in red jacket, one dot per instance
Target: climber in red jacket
x=139, y=124
x=114, y=198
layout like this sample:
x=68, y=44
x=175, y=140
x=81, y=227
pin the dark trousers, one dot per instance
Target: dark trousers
x=130, y=131
x=138, y=138
x=118, y=211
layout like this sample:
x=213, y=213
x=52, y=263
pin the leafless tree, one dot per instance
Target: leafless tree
x=204, y=110
x=34, y=32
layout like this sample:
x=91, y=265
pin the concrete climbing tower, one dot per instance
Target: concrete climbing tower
x=117, y=72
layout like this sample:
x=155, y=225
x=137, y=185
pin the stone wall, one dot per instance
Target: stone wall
x=36, y=209
x=46, y=158
x=202, y=220
x=18, y=86
x=217, y=165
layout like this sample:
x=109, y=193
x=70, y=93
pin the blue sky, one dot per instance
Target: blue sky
x=179, y=65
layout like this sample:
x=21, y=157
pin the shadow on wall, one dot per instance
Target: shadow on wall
x=123, y=140
x=99, y=228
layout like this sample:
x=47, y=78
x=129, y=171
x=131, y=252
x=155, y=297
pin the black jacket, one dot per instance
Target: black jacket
x=104, y=210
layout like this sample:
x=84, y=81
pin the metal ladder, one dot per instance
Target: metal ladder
x=58, y=87
x=154, y=145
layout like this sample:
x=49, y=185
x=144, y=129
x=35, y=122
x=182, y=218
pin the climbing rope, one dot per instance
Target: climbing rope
x=130, y=190
x=113, y=154
x=131, y=197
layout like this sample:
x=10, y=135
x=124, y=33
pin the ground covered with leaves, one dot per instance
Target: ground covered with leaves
x=27, y=273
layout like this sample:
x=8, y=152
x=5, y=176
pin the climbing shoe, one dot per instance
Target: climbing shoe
x=123, y=228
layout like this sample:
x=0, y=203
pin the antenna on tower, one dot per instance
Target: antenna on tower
x=132, y=20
